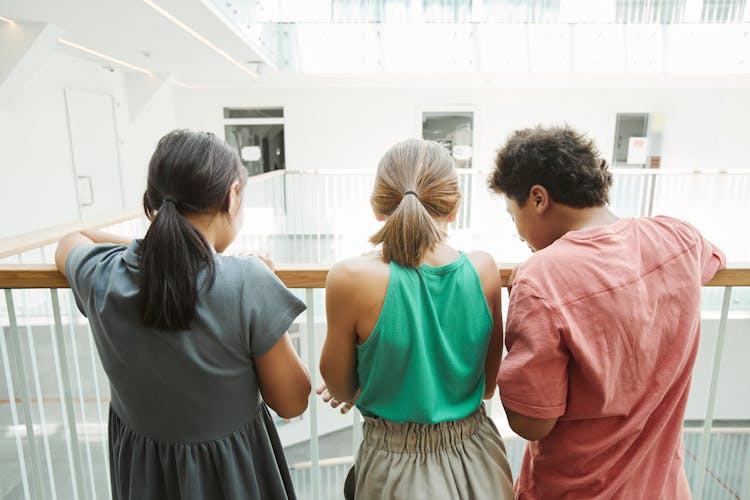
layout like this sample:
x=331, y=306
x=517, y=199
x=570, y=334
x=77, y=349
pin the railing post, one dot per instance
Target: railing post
x=81, y=397
x=708, y=423
x=313, y=404
x=64, y=387
x=94, y=356
x=651, y=191
x=746, y=476
x=356, y=432
x=39, y=400
x=13, y=336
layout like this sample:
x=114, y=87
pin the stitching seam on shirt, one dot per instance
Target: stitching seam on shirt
x=609, y=289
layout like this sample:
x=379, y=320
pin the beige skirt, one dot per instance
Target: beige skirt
x=462, y=459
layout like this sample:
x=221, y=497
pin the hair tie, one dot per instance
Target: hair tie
x=412, y=192
x=169, y=199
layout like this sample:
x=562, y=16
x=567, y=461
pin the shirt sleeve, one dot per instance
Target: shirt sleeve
x=712, y=260
x=80, y=268
x=272, y=307
x=533, y=377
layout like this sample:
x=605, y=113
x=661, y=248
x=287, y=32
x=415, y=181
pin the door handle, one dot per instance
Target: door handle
x=91, y=190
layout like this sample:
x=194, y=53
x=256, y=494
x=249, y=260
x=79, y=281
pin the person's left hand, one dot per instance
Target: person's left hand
x=327, y=397
x=266, y=259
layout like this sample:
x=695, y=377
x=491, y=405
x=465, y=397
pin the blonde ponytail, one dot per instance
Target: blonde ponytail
x=416, y=184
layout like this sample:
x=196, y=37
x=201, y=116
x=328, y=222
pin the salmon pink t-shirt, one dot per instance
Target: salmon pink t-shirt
x=602, y=332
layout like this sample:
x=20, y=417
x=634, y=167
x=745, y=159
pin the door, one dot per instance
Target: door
x=96, y=159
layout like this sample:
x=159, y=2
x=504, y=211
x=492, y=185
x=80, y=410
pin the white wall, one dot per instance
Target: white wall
x=37, y=187
x=329, y=126
x=351, y=127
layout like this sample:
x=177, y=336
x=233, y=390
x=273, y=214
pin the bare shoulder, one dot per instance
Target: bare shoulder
x=482, y=261
x=357, y=272
x=486, y=268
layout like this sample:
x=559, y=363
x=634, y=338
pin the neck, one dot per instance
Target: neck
x=578, y=219
x=206, y=225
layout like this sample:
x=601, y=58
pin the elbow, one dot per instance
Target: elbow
x=489, y=390
x=294, y=407
x=531, y=429
x=293, y=410
x=529, y=434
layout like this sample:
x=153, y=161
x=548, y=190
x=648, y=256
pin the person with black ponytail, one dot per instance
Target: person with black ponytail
x=194, y=342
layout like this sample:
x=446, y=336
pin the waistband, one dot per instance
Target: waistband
x=411, y=437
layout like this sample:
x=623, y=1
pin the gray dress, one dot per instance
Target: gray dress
x=186, y=418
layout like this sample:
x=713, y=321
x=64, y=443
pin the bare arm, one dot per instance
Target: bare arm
x=531, y=429
x=492, y=286
x=72, y=240
x=283, y=380
x=338, y=361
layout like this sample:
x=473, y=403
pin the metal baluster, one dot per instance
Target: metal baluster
x=63, y=384
x=652, y=190
x=81, y=397
x=313, y=404
x=12, y=398
x=706, y=438
x=356, y=432
x=39, y=400
x=38, y=389
x=102, y=419
x=746, y=487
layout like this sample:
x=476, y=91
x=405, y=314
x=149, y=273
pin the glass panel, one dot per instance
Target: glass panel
x=454, y=130
x=723, y=11
x=261, y=147
x=728, y=460
x=650, y=11
x=629, y=126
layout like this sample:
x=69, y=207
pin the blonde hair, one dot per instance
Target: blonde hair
x=416, y=183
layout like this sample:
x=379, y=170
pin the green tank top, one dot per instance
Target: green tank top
x=424, y=360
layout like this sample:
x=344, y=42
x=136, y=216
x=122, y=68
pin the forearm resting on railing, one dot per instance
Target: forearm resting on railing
x=71, y=240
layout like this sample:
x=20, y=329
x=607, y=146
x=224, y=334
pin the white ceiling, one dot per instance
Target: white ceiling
x=508, y=54
x=125, y=29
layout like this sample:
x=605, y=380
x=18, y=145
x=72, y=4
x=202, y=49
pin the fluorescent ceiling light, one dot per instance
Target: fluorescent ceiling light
x=104, y=56
x=7, y=20
x=207, y=86
x=199, y=37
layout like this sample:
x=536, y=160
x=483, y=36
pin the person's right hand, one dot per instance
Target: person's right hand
x=327, y=397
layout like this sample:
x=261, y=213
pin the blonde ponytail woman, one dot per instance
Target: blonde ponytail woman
x=415, y=331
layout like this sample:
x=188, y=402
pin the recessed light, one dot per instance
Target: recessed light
x=103, y=56
x=200, y=37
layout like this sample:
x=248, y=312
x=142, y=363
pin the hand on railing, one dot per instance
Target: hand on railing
x=265, y=258
x=327, y=397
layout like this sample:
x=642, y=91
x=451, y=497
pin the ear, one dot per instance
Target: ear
x=378, y=216
x=235, y=198
x=452, y=216
x=539, y=198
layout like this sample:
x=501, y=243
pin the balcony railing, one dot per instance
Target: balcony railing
x=54, y=394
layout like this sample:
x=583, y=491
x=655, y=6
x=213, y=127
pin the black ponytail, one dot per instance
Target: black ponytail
x=189, y=173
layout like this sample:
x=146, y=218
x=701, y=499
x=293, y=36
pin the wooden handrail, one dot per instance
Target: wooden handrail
x=37, y=239
x=300, y=276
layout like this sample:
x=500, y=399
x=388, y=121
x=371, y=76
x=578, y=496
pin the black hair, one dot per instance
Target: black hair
x=189, y=173
x=561, y=159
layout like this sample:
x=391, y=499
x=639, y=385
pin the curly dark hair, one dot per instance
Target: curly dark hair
x=561, y=159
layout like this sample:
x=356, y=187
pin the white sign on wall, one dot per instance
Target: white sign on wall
x=637, y=150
